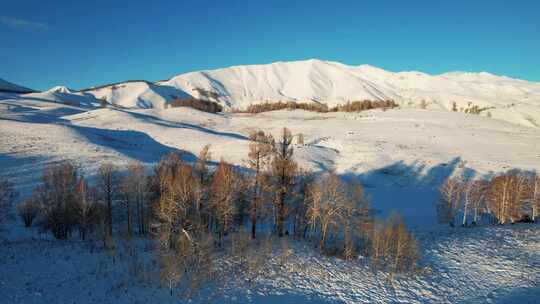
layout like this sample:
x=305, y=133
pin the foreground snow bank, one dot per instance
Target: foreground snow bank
x=478, y=265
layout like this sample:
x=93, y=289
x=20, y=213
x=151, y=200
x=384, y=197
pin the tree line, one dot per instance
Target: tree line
x=198, y=104
x=351, y=106
x=506, y=198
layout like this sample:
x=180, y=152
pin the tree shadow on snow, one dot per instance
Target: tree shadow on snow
x=182, y=125
x=410, y=189
x=133, y=144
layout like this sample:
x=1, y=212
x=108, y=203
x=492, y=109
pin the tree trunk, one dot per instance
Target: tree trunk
x=129, y=228
x=253, y=226
x=281, y=215
x=109, y=210
x=465, y=211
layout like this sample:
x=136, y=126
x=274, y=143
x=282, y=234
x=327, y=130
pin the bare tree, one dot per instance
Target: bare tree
x=535, y=196
x=300, y=209
x=201, y=166
x=86, y=209
x=139, y=191
x=357, y=220
x=405, y=247
x=449, y=200
x=393, y=247
x=28, y=211
x=128, y=201
x=8, y=194
x=260, y=149
x=507, y=193
x=108, y=184
x=328, y=205
x=284, y=171
x=475, y=192
x=518, y=196
x=176, y=198
x=223, y=194
x=339, y=207
x=57, y=198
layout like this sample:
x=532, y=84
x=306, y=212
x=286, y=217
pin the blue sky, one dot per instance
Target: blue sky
x=85, y=43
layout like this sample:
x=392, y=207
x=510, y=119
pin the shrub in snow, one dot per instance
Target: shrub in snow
x=28, y=211
x=7, y=197
x=199, y=104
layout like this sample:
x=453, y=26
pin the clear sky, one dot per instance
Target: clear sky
x=83, y=43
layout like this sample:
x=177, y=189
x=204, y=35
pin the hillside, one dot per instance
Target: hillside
x=401, y=157
x=334, y=83
x=13, y=88
x=328, y=83
x=136, y=94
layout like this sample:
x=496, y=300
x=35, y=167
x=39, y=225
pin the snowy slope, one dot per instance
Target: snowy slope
x=400, y=155
x=13, y=88
x=496, y=265
x=331, y=83
x=137, y=94
x=63, y=95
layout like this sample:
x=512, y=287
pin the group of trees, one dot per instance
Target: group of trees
x=197, y=214
x=506, y=198
x=199, y=104
x=354, y=106
x=64, y=202
x=471, y=108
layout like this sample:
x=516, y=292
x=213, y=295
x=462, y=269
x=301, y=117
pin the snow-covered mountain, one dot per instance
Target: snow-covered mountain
x=333, y=83
x=330, y=83
x=13, y=88
x=137, y=94
x=401, y=156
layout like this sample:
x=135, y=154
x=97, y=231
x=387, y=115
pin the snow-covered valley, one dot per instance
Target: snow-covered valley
x=401, y=156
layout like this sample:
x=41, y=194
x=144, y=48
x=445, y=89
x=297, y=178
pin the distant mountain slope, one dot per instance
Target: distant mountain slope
x=334, y=83
x=330, y=83
x=13, y=88
x=136, y=94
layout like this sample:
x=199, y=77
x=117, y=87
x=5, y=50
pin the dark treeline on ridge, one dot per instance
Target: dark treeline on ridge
x=352, y=106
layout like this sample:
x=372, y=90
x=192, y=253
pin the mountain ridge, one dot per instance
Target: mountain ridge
x=332, y=83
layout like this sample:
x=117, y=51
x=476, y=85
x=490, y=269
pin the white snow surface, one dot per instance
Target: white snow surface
x=59, y=89
x=334, y=83
x=331, y=83
x=403, y=152
x=137, y=94
x=497, y=265
x=401, y=156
